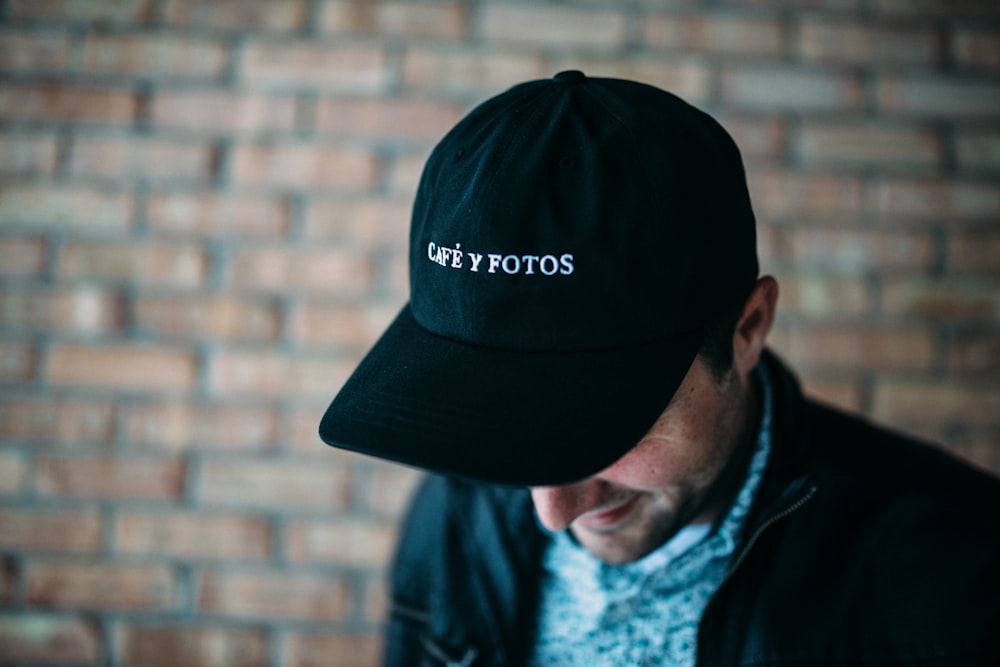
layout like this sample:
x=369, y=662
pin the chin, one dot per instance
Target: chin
x=619, y=548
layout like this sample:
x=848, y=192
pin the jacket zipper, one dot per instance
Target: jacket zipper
x=442, y=656
x=764, y=526
x=773, y=519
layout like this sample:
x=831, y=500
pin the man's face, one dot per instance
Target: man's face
x=665, y=482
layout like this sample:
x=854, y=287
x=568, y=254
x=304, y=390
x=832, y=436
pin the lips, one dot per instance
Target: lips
x=610, y=517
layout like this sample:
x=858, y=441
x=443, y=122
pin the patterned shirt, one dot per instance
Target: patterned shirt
x=647, y=612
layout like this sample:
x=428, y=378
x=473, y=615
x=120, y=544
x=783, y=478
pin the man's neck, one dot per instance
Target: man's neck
x=723, y=491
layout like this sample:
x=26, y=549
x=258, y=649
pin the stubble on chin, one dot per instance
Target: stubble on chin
x=651, y=526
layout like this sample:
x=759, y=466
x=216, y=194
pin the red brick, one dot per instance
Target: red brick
x=27, y=154
x=397, y=282
x=160, y=479
x=179, y=427
x=274, y=595
x=949, y=300
x=83, y=309
x=153, y=55
x=402, y=174
x=359, y=542
x=825, y=40
x=122, y=367
x=17, y=361
x=823, y=297
x=790, y=89
x=131, y=158
x=936, y=402
x=29, y=530
x=304, y=166
x=976, y=47
x=551, y=27
x=64, y=207
x=20, y=257
x=333, y=325
x=800, y=4
x=468, y=70
x=924, y=8
x=365, y=221
x=854, y=252
x=978, y=150
x=208, y=317
x=387, y=119
x=975, y=352
x=9, y=585
x=863, y=145
x=274, y=484
x=937, y=198
x=331, y=650
x=54, y=419
x=392, y=486
x=193, y=536
x=286, y=15
x=88, y=585
x=192, y=646
x=975, y=253
x=13, y=473
x=801, y=196
x=221, y=111
x=950, y=97
x=845, y=393
x=771, y=243
x=691, y=78
x=715, y=33
x=273, y=374
x=110, y=11
x=325, y=270
x=376, y=600
x=302, y=426
x=301, y=430
x=33, y=52
x=402, y=19
x=34, y=638
x=979, y=450
x=383, y=314
x=315, y=65
x=173, y=264
x=63, y=102
x=757, y=138
x=862, y=348
x=211, y=214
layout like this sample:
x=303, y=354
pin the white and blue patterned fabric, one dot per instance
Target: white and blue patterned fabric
x=644, y=613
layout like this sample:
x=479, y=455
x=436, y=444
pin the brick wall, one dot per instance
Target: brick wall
x=203, y=213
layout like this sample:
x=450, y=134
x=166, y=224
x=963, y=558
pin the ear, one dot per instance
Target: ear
x=751, y=332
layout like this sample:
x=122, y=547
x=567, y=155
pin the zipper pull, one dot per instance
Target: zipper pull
x=440, y=654
x=470, y=655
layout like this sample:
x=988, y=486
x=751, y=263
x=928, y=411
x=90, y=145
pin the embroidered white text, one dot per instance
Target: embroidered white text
x=456, y=258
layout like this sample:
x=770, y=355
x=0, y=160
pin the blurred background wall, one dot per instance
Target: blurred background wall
x=203, y=216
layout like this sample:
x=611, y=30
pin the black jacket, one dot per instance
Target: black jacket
x=863, y=548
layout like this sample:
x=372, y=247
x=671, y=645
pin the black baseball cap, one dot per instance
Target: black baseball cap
x=571, y=240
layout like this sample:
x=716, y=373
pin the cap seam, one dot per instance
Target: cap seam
x=502, y=164
x=651, y=189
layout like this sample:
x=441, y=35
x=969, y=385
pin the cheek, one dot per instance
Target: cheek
x=653, y=464
x=683, y=447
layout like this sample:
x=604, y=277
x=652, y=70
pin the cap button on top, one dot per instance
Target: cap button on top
x=569, y=76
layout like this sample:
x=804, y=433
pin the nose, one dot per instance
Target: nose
x=558, y=506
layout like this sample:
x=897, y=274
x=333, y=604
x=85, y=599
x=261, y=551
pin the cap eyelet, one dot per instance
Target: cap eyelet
x=570, y=76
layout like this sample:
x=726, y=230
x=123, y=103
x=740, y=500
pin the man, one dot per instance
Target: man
x=629, y=477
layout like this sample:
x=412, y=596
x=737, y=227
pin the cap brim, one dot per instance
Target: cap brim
x=509, y=417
